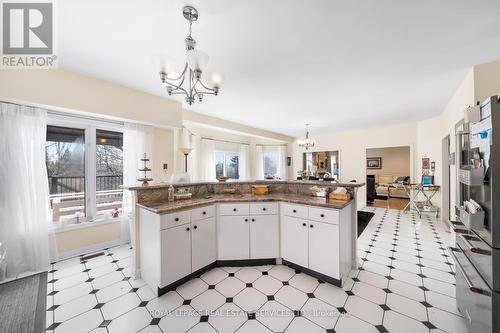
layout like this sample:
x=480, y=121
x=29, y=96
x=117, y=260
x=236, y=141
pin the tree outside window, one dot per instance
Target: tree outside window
x=227, y=164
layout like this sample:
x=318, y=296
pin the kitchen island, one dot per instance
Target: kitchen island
x=176, y=241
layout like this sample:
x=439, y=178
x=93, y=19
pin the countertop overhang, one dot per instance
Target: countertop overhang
x=179, y=205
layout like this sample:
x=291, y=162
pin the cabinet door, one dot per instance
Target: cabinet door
x=294, y=241
x=233, y=237
x=264, y=236
x=203, y=243
x=324, y=248
x=175, y=253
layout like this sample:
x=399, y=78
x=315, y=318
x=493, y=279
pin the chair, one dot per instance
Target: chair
x=371, y=194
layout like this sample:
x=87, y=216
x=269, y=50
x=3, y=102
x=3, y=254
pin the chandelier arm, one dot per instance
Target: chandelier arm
x=181, y=75
x=177, y=87
x=204, y=86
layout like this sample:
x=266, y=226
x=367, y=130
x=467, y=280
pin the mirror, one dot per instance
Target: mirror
x=321, y=165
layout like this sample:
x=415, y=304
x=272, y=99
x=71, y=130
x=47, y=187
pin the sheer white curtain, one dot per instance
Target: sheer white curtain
x=24, y=189
x=258, y=163
x=137, y=140
x=245, y=165
x=282, y=167
x=208, y=160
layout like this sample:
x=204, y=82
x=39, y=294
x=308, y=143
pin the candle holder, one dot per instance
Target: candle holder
x=145, y=169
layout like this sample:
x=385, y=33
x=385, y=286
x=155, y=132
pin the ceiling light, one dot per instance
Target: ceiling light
x=191, y=81
x=306, y=142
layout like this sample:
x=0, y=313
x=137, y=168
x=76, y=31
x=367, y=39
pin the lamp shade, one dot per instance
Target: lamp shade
x=217, y=79
x=197, y=59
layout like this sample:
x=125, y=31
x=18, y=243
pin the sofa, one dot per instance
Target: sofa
x=390, y=186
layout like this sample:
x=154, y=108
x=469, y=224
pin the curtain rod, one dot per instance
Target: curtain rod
x=225, y=141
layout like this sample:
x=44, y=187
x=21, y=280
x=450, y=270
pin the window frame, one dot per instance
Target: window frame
x=89, y=126
x=226, y=152
x=276, y=153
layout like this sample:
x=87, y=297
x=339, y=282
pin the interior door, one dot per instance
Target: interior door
x=204, y=245
x=324, y=248
x=233, y=237
x=294, y=241
x=175, y=253
x=264, y=236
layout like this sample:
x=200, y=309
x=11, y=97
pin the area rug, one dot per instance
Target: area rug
x=363, y=220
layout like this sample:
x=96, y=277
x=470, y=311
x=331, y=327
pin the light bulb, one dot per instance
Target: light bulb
x=197, y=59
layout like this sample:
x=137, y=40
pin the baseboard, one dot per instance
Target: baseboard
x=246, y=262
x=317, y=275
x=173, y=285
x=87, y=249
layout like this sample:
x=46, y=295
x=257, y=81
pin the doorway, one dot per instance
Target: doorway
x=445, y=162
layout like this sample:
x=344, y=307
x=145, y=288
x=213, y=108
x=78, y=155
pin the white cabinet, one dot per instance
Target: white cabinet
x=233, y=237
x=324, y=248
x=264, y=236
x=294, y=240
x=175, y=253
x=204, y=247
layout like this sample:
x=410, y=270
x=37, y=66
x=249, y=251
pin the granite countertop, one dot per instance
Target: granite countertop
x=178, y=205
x=154, y=186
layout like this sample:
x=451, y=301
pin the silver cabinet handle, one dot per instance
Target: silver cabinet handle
x=473, y=249
x=472, y=288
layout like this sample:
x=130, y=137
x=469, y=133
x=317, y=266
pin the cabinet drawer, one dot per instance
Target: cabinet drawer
x=295, y=210
x=324, y=215
x=202, y=213
x=174, y=219
x=267, y=208
x=234, y=209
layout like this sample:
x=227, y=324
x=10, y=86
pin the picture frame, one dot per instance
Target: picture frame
x=374, y=162
x=426, y=163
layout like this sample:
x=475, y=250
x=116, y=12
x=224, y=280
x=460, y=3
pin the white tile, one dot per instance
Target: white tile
x=214, y=276
x=267, y=284
x=407, y=290
x=181, y=320
x=374, y=279
x=435, y=264
x=331, y=294
x=67, y=262
x=438, y=275
x=231, y=269
x=406, y=306
x=70, y=281
x=447, y=321
x=248, y=274
x=74, y=308
x=71, y=293
x=301, y=325
x=275, y=316
x=282, y=272
x=160, y=306
x=132, y=321
x=406, y=266
x=376, y=268
x=351, y=324
x=120, y=305
x=442, y=301
x=230, y=286
x=396, y=322
x=107, y=280
x=228, y=318
x=85, y=322
x=253, y=326
x=113, y=291
x=250, y=299
x=291, y=297
x=191, y=289
x=202, y=328
x=150, y=329
x=364, y=309
x=407, y=277
x=102, y=270
x=264, y=268
x=98, y=261
x=208, y=301
x=321, y=313
x=136, y=283
x=126, y=262
x=304, y=282
x=145, y=293
x=444, y=288
x=383, y=260
x=368, y=292
x=68, y=271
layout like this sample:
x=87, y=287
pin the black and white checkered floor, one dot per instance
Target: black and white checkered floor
x=405, y=283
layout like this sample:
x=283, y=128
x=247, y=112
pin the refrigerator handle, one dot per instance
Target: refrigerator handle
x=466, y=278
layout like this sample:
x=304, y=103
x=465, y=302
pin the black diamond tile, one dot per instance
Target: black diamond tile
x=126, y=278
x=120, y=269
x=387, y=290
x=270, y=298
x=265, y=273
x=143, y=303
x=186, y=302
x=86, y=270
x=212, y=286
x=203, y=319
x=53, y=307
x=133, y=290
x=94, y=291
x=249, y=285
x=419, y=257
x=355, y=279
x=384, y=307
x=251, y=316
x=297, y=313
x=423, y=288
x=389, y=277
x=364, y=259
x=321, y=281
x=114, y=261
x=53, y=326
x=90, y=280
x=52, y=293
x=52, y=281
x=155, y=321
x=420, y=265
x=350, y=293
x=427, y=305
x=231, y=274
x=105, y=323
x=391, y=267
x=392, y=258
x=99, y=305
x=285, y=283
x=381, y=328
x=429, y=325
x=53, y=271
x=342, y=310
x=310, y=295
x=330, y=330
x=229, y=300
x=422, y=275
x=297, y=271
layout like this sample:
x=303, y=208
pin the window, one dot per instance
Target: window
x=227, y=164
x=85, y=170
x=271, y=164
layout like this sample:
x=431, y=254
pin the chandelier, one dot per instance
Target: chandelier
x=306, y=143
x=190, y=82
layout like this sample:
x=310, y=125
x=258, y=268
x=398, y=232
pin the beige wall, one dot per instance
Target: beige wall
x=71, y=240
x=163, y=152
x=395, y=161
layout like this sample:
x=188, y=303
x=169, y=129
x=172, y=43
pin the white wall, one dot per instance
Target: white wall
x=395, y=161
x=352, y=146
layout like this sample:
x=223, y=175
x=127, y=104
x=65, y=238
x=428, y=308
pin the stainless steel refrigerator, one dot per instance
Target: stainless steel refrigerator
x=477, y=250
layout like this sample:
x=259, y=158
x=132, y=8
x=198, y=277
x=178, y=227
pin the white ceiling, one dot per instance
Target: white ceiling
x=335, y=64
